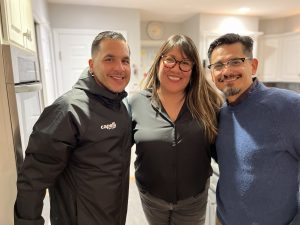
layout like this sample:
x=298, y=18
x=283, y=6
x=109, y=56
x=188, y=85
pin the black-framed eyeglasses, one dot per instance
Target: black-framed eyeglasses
x=185, y=65
x=236, y=62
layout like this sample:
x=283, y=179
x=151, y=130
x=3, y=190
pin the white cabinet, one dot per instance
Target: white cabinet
x=290, y=70
x=208, y=37
x=8, y=171
x=18, y=22
x=269, y=58
x=279, y=58
x=14, y=20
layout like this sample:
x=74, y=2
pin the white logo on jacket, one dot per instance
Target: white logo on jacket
x=110, y=126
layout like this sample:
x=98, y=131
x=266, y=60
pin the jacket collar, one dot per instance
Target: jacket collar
x=88, y=83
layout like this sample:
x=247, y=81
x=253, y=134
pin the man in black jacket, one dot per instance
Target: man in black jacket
x=80, y=147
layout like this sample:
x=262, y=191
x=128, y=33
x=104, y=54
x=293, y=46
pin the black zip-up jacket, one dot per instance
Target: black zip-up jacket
x=80, y=150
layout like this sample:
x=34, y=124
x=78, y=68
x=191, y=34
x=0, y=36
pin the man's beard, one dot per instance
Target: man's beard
x=231, y=91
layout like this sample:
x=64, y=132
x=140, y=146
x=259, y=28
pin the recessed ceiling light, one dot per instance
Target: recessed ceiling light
x=244, y=10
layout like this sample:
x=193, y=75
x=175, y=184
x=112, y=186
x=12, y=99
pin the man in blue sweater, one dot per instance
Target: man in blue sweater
x=258, y=143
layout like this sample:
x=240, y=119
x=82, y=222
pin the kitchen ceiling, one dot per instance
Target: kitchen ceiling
x=180, y=10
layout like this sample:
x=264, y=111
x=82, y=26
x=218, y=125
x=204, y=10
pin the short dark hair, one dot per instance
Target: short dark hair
x=232, y=38
x=106, y=35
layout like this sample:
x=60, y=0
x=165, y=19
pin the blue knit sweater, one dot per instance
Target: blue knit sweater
x=258, y=149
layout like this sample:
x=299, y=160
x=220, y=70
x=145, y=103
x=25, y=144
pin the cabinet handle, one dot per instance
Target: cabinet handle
x=28, y=35
x=25, y=34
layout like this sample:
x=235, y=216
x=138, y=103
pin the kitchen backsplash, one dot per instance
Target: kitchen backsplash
x=289, y=86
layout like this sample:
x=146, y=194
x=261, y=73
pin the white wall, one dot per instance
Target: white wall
x=45, y=50
x=102, y=18
x=203, y=28
x=168, y=30
x=224, y=24
x=199, y=26
x=191, y=28
x=40, y=11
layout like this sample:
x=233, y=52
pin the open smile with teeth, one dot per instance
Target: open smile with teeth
x=229, y=78
x=117, y=77
x=174, y=78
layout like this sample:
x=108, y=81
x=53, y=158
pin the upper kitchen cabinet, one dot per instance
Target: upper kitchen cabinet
x=18, y=25
x=279, y=58
x=269, y=58
x=290, y=57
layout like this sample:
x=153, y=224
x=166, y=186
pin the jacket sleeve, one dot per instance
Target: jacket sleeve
x=50, y=145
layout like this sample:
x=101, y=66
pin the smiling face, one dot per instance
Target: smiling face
x=232, y=80
x=111, y=65
x=173, y=80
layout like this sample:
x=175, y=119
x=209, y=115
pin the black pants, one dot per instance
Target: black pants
x=190, y=211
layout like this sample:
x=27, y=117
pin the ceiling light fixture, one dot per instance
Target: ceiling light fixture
x=244, y=10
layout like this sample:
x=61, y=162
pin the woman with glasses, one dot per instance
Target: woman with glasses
x=174, y=126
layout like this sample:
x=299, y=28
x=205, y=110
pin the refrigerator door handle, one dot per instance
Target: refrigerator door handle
x=28, y=87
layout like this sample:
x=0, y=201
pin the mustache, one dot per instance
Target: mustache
x=228, y=77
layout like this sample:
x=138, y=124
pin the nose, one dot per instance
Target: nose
x=225, y=69
x=177, y=66
x=119, y=65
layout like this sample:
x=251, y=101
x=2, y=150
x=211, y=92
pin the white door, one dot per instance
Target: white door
x=73, y=50
x=72, y=55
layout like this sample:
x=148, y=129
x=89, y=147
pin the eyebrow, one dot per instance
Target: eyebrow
x=113, y=56
x=220, y=61
x=183, y=59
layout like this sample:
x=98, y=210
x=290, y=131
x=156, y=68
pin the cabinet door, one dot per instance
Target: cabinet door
x=269, y=58
x=8, y=172
x=1, y=35
x=28, y=25
x=290, y=60
x=14, y=20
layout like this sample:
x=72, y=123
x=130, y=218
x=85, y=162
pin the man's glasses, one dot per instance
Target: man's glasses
x=184, y=65
x=230, y=63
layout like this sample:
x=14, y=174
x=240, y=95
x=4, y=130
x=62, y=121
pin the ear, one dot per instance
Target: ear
x=91, y=65
x=254, y=65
